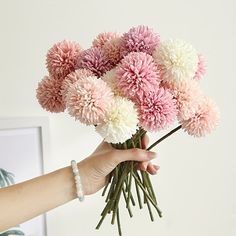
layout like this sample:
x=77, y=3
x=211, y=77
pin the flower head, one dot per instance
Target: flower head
x=49, y=95
x=201, y=68
x=112, y=49
x=103, y=38
x=138, y=74
x=139, y=39
x=157, y=110
x=204, y=121
x=177, y=59
x=95, y=60
x=188, y=95
x=87, y=100
x=62, y=58
x=120, y=121
x=72, y=78
x=110, y=77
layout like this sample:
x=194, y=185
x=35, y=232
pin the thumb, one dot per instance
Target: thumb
x=134, y=154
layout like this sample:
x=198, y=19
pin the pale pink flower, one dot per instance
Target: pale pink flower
x=139, y=39
x=112, y=49
x=95, y=60
x=62, y=58
x=138, y=74
x=49, y=95
x=201, y=68
x=87, y=100
x=188, y=95
x=204, y=121
x=157, y=110
x=103, y=38
x=72, y=78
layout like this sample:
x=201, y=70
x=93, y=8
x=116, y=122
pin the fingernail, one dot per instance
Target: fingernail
x=152, y=155
x=156, y=167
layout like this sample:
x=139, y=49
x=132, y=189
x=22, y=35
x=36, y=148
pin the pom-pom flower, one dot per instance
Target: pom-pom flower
x=204, y=121
x=201, y=68
x=95, y=60
x=110, y=77
x=72, y=78
x=103, y=38
x=87, y=100
x=177, y=59
x=49, y=95
x=62, y=58
x=112, y=49
x=188, y=95
x=139, y=39
x=137, y=74
x=120, y=121
x=157, y=110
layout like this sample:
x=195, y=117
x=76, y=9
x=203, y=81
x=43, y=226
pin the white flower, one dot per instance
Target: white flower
x=120, y=122
x=177, y=59
x=111, y=79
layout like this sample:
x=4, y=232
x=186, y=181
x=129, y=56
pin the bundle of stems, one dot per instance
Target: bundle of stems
x=123, y=177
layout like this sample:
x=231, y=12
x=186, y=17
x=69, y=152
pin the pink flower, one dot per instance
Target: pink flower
x=188, y=95
x=137, y=74
x=49, y=95
x=87, y=100
x=112, y=49
x=62, y=58
x=95, y=60
x=201, y=68
x=204, y=121
x=157, y=110
x=72, y=78
x=139, y=39
x=103, y=38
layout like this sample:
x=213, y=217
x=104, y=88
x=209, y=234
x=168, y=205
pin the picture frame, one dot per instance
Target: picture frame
x=24, y=148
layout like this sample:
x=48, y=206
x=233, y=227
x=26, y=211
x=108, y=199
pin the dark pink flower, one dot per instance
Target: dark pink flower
x=137, y=74
x=157, y=110
x=95, y=60
x=62, y=58
x=49, y=94
x=139, y=39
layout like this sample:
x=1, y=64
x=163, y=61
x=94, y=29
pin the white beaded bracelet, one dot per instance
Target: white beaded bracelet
x=79, y=187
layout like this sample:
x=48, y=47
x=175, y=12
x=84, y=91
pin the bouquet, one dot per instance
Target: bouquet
x=124, y=86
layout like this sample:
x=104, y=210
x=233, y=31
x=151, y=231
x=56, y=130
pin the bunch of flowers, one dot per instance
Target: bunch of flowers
x=127, y=85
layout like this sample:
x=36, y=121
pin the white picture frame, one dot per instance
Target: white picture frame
x=24, y=148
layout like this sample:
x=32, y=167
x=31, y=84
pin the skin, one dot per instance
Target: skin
x=23, y=201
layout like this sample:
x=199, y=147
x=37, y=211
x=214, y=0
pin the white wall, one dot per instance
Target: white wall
x=196, y=183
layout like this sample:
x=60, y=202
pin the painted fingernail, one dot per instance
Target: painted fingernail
x=152, y=155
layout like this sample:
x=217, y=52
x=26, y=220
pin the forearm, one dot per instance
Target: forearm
x=23, y=201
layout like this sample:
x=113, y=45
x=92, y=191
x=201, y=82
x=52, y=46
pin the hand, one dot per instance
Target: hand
x=95, y=169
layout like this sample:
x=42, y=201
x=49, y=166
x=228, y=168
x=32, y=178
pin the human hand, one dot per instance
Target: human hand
x=95, y=169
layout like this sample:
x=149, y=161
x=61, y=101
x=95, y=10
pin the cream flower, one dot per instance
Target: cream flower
x=120, y=122
x=177, y=59
x=111, y=78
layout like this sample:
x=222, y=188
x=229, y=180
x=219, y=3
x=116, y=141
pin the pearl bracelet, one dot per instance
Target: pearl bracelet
x=79, y=187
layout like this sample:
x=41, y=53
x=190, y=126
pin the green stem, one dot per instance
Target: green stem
x=118, y=222
x=130, y=183
x=164, y=137
x=149, y=198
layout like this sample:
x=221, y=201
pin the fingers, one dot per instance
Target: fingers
x=149, y=167
x=145, y=141
x=133, y=154
x=152, y=169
